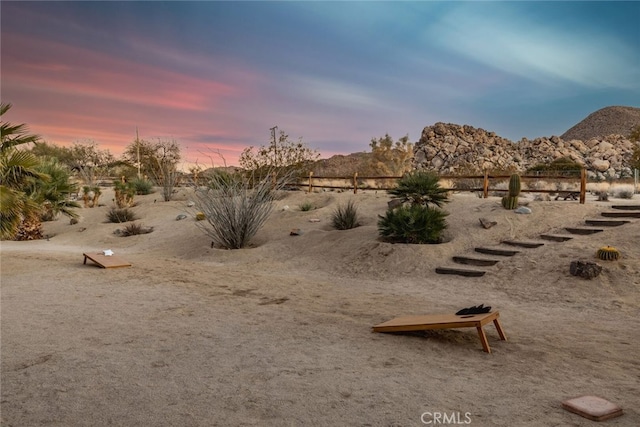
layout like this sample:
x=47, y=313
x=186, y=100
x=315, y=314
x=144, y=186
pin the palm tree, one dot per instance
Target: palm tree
x=18, y=168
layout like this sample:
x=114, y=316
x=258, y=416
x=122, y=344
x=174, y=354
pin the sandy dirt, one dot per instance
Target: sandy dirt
x=279, y=334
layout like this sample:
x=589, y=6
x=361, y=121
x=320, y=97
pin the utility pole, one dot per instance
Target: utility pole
x=138, y=152
x=275, y=145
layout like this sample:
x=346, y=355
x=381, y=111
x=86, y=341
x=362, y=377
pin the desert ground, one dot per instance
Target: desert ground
x=279, y=334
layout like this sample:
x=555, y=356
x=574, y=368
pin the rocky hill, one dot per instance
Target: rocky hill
x=456, y=149
x=606, y=121
x=462, y=149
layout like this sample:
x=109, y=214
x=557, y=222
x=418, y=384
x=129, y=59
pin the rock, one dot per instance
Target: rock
x=600, y=165
x=73, y=221
x=295, y=232
x=181, y=217
x=523, y=210
x=584, y=269
x=190, y=204
x=314, y=220
x=394, y=203
x=486, y=223
x=285, y=208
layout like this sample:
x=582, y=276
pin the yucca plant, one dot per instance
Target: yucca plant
x=413, y=224
x=345, y=217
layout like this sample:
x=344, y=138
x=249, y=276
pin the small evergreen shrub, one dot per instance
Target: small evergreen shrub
x=421, y=188
x=306, y=206
x=625, y=194
x=412, y=224
x=141, y=186
x=118, y=215
x=345, y=217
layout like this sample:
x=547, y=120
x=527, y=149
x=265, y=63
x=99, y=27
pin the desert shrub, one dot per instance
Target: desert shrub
x=603, y=196
x=561, y=166
x=420, y=188
x=345, y=217
x=306, y=206
x=142, y=186
x=135, y=228
x=412, y=224
x=624, y=193
x=235, y=209
x=118, y=215
x=200, y=216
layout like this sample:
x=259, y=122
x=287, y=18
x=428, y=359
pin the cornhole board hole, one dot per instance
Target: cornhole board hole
x=444, y=321
x=104, y=261
x=592, y=407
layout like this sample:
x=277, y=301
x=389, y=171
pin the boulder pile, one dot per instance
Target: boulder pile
x=462, y=149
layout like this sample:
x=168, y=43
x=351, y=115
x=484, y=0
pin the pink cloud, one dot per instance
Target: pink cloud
x=67, y=93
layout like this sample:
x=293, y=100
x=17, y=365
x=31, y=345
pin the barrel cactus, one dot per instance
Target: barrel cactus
x=608, y=253
x=511, y=201
x=514, y=185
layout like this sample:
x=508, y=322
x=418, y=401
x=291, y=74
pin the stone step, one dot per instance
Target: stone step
x=555, y=237
x=460, y=271
x=475, y=261
x=606, y=222
x=583, y=231
x=529, y=245
x=621, y=214
x=626, y=207
x=500, y=252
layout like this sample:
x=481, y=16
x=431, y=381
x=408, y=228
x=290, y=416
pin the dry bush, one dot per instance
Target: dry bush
x=235, y=207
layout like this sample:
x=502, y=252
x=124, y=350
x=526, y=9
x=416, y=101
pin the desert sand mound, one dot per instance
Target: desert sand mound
x=280, y=333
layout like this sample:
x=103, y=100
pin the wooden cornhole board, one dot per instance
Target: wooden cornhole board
x=444, y=321
x=104, y=261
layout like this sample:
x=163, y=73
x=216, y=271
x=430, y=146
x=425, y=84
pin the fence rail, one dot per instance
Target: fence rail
x=352, y=182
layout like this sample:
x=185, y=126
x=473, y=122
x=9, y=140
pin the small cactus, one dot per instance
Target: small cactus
x=514, y=185
x=200, y=216
x=608, y=253
x=509, y=202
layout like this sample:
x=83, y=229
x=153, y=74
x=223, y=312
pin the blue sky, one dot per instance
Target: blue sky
x=219, y=75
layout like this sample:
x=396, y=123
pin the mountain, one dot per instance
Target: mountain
x=606, y=121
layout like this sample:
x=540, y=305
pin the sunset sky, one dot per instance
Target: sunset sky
x=218, y=75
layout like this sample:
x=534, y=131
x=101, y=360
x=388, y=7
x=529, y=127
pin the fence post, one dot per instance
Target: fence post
x=485, y=184
x=355, y=183
x=583, y=185
x=310, y=184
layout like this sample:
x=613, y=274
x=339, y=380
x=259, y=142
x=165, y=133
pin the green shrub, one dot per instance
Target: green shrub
x=306, y=206
x=345, y=217
x=118, y=215
x=413, y=224
x=561, y=166
x=141, y=186
x=421, y=188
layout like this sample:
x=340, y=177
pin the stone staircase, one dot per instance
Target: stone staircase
x=505, y=249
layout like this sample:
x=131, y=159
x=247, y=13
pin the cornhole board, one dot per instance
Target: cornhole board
x=592, y=407
x=444, y=321
x=104, y=261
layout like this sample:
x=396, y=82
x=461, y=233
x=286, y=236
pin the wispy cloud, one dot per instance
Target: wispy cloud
x=515, y=44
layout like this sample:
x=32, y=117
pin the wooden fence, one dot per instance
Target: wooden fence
x=351, y=182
